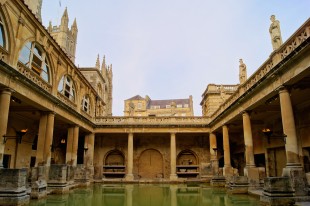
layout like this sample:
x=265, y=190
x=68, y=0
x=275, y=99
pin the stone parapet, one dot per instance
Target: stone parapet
x=13, y=187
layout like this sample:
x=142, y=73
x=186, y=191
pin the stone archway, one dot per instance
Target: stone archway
x=151, y=164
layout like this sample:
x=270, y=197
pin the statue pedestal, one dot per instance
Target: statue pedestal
x=13, y=187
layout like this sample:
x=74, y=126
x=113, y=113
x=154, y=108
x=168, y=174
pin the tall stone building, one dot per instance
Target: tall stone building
x=139, y=106
x=100, y=77
x=66, y=38
x=214, y=96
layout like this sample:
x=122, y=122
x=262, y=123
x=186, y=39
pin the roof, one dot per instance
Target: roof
x=137, y=97
x=163, y=103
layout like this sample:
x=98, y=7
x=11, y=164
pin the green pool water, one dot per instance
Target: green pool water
x=147, y=195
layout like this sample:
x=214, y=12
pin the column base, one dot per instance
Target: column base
x=255, y=176
x=129, y=177
x=298, y=179
x=173, y=177
x=228, y=171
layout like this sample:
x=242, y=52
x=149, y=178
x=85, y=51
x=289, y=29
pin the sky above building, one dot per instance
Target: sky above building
x=170, y=49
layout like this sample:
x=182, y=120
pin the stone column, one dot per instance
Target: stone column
x=289, y=130
x=72, y=145
x=248, y=140
x=173, y=175
x=89, y=144
x=49, y=138
x=227, y=170
x=293, y=168
x=69, y=146
x=5, y=98
x=41, y=140
x=213, y=153
x=129, y=175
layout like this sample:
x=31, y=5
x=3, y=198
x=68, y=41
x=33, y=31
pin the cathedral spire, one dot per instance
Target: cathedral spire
x=98, y=63
x=64, y=21
x=74, y=29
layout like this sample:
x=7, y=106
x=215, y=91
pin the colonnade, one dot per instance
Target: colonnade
x=46, y=128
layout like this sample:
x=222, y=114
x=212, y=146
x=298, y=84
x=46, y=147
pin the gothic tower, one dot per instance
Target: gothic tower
x=65, y=37
x=35, y=6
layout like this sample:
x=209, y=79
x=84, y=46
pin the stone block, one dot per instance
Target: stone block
x=82, y=175
x=298, y=179
x=277, y=191
x=13, y=187
x=57, y=182
x=38, y=182
x=218, y=181
x=238, y=185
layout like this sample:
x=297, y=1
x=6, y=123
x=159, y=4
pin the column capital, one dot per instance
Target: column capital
x=246, y=112
x=282, y=89
x=7, y=90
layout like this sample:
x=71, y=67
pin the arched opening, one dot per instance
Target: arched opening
x=187, y=164
x=114, y=164
x=66, y=87
x=151, y=164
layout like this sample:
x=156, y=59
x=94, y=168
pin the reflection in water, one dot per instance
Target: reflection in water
x=147, y=195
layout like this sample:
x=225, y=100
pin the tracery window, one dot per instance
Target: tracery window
x=2, y=33
x=66, y=87
x=85, y=104
x=36, y=59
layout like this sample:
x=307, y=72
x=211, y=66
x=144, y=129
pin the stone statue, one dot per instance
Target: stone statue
x=242, y=72
x=275, y=33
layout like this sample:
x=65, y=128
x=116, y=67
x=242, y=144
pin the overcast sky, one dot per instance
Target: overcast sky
x=170, y=49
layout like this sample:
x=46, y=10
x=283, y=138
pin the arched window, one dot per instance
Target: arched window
x=85, y=104
x=66, y=87
x=2, y=33
x=35, y=58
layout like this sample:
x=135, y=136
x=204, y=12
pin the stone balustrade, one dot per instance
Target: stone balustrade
x=267, y=68
x=34, y=77
x=155, y=121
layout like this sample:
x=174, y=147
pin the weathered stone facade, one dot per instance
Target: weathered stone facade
x=52, y=114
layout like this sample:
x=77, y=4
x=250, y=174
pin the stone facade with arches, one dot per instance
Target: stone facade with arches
x=64, y=125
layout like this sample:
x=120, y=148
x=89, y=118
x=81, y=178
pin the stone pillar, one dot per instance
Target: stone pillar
x=49, y=138
x=173, y=175
x=89, y=144
x=5, y=98
x=129, y=175
x=41, y=140
x=248, y=140
x=289, y=130
x=227, y=170
x=293, y=168
x=213, y=153
x=72, y=145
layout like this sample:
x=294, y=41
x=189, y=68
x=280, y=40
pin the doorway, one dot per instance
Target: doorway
x=151, y=164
